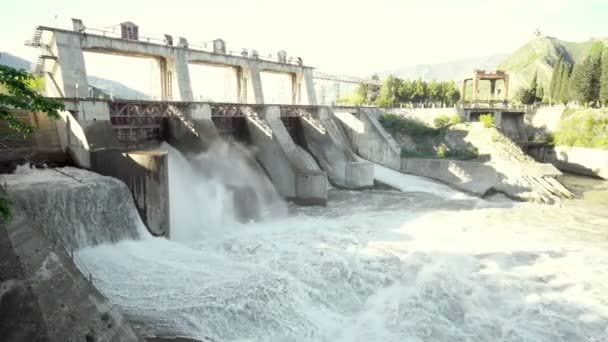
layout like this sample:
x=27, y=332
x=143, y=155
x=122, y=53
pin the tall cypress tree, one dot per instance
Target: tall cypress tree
x=595, y=71
x=585, y=80
x=534, y=83
x=604, y=78
x=555, y=79
x=564, y=96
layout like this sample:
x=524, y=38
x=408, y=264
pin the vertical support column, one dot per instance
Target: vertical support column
x=251, y=72
x=475, y=88
x=310, y=86
x=241, y=95
x=71, y=77
x=295, y=90
x=506, y=87
x=182, y=74
x=165, y=80
x=492, y=89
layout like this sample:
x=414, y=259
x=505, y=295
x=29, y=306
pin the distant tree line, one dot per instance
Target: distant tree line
x=585, y=82
x=395, y=91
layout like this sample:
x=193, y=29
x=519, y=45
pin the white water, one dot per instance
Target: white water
x=372, y=266
x=411, y=183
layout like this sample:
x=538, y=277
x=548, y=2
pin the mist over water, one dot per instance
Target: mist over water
x=372, y=266
x=204, y=188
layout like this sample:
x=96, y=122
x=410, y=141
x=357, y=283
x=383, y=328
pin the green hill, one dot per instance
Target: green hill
x=540, y=55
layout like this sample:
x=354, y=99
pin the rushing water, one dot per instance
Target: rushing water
x=427, y=264
x=423, y=265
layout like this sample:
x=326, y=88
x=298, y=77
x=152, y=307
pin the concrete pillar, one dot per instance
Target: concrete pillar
x=330, y=146
x=182, y=74
x=506, y=87
x=475, y=88
x=166, y=80
x=464, y=90
x=71, y=75
x=293, y=178
x=295, y=90
x=309, y=85
x=492, y=89
x=251, y=76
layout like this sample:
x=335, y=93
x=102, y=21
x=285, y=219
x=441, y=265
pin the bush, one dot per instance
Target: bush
x=442, y=151
x=398, y=124
x=583, y=129
x=487, y=120
x=455, y=119
x=445, y=121
x=442, y=121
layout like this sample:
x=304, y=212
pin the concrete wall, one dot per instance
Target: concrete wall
x=523, y=182
x=369, y=139
x=330, y=146
x=146, y=175
x=43, y=295
x=85, y=126
x=547, y=118
x=42, y=146
x=292, y=176
x=580, y=160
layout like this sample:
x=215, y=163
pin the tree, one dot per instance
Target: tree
x=563, y=95
x=389, y=92
x=585, y=79
x=373, y=90
x=604, y=78
x=17, y=92
x=530, y=95
x=555, y=79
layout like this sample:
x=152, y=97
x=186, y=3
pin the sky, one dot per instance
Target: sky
x=341, y=37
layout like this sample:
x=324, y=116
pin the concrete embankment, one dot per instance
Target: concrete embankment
x=509, y=170
x=290, y=170
x=325, y=140
x=43, y=294
x=579, y=160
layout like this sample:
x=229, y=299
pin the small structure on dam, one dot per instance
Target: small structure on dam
x=496, y=94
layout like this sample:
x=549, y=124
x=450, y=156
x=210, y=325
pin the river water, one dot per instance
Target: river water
x=422, y=264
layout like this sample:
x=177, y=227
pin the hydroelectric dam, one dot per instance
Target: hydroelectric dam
x=183, y=220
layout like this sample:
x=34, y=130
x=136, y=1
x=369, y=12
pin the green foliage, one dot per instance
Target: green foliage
x=532, y=94
x=5, y=212
x=395, y=91
x=368, y=93
x=445, y=121
x=407, y=126
x=442, y=121
x=19, y=90
x=455, y=119
x=586, y=77
x=18, y=94
x=487, y=120
x=587, y=128
x=603, y=96
x=442, y=151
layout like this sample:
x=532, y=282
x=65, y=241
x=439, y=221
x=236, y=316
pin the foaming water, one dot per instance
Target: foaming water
x=373, y=266
x=76, y=207
x=411, y=183
x=205, y=191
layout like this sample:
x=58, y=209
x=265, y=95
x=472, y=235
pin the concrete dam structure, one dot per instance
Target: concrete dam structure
x=297, y=145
